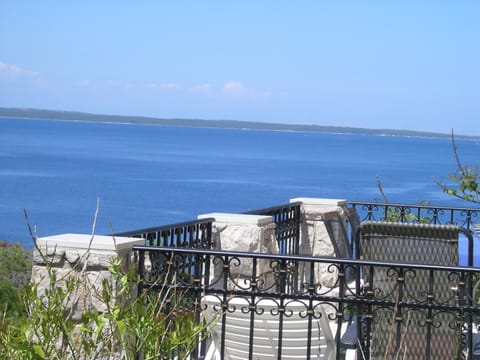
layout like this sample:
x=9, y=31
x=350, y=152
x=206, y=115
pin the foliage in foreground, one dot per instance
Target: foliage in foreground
x=15, y=270
x=465, y=181
x=126, y=327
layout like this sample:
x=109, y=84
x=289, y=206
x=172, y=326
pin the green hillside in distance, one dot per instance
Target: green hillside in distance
x=27, y=113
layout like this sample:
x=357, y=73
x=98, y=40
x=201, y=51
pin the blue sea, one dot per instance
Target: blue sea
x=147, y=175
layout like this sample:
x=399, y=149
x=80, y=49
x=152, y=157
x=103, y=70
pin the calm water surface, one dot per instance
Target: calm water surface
x=152, y=175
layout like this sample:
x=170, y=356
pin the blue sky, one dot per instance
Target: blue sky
x=379, y=64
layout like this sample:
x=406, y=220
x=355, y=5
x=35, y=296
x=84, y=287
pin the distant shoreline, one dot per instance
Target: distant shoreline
x=202, y=126
x=38, y=114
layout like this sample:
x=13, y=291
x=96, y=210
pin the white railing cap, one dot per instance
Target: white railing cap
x=320, y=201
x=82, y=241
x=240, y=219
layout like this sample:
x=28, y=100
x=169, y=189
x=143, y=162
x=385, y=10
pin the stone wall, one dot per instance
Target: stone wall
x=82, y=257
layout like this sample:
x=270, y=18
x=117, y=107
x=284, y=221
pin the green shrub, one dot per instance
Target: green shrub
x=128, y=327
x=10, y=300
x=15, y=261
x=15, y=271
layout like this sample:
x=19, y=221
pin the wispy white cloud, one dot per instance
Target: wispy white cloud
x=164, y=86
x=117, y=84
x=230, y=89
x=83, y=83
x=99, y=84
x=113, y=84
x=14, y=71
x=234, y=88
x=239, y=90
x=203, y=88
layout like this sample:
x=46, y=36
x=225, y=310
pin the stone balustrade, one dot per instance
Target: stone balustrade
x=87, y=256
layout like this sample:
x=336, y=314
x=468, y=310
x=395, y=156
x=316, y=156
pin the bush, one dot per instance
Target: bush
x=129, y=326
x=15, y=271
x=10, y=300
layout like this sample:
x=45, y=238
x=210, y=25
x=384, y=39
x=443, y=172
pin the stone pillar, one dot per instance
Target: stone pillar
x=320, y=205
x=246, y=233
x=314, y=235
x=82, y=256
x=317, y=239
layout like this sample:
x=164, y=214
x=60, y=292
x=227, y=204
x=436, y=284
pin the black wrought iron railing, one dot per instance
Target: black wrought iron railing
x=245, y=291
x=196, y=234
x=373, y=211
x=287, y=220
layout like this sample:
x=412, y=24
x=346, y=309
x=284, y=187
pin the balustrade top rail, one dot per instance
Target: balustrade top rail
x=287, y=217
x=374, y=211
x=187, y=234
x=195, y=233
x=303, y=258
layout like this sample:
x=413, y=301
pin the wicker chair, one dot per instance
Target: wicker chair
x=416, y=333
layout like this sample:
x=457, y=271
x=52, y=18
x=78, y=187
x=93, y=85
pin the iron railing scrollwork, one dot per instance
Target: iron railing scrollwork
x=374, y=211
x=421, y=322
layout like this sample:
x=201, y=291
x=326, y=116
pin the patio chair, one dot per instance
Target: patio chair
x=415, y=334
x=353, y=220
x=338, y=233
x=294, y=331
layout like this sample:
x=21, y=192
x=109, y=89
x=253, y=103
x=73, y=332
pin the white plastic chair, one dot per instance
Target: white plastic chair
x=267, y=328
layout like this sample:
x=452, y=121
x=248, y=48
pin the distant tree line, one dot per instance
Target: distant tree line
x=225, y=124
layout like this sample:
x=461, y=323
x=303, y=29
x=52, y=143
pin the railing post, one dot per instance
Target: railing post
x=315, y=237
x=240, y=232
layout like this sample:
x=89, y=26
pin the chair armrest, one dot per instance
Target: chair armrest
x=350, y=336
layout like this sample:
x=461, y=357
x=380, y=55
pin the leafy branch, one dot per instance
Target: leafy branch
x=465, y=180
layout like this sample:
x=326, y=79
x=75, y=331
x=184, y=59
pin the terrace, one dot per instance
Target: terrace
x=294, y=281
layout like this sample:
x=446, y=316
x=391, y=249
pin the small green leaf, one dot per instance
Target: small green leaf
x=37, y=349
x=122, y=328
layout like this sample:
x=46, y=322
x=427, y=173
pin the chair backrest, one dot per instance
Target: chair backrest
x=295, y=328
x=425, y=244
x=353, y=223
x=410, y=243
x=338, y=233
